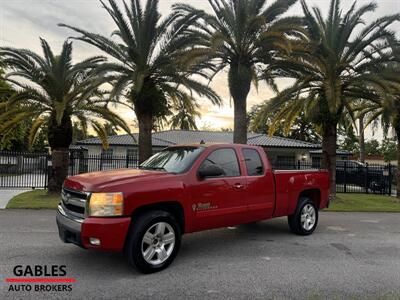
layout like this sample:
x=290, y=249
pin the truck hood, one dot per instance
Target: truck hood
x=97, y=181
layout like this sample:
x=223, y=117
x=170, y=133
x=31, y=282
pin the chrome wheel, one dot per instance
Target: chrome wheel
x=158, y=243
x=308, y=217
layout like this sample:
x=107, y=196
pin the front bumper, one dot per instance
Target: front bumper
x=111, y=232
x=69, y=230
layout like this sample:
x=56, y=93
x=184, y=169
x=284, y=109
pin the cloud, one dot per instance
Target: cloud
x=22, y=22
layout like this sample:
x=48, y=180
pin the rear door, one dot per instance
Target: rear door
x=260, y=185
x=220, y=201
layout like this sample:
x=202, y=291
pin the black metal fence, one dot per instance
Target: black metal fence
x=352, y=176
x=23, y=170
x=370, y=178
x=31, y=170
x=83, y=162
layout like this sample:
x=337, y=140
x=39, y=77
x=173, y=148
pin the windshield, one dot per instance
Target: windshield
x=173, y=160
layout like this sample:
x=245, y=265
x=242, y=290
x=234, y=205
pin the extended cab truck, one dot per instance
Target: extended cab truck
x=184, y=189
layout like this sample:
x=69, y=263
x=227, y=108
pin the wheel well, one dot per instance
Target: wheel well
x=173, y=207
x=313, y=194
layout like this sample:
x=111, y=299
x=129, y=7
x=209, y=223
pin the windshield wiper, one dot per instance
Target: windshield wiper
x=152, y=168
x=156, y=168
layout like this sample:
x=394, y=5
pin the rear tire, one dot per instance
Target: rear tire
x=305, y=218
x=153, y=242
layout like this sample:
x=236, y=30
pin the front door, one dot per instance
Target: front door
x=219, y=201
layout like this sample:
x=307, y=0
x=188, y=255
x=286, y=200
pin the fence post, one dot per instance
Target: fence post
x=345, y=177
x=366, y=178
x=298, y=165
x=390, y=178
x=71, y=163
x=127, y=160
x=49, y=164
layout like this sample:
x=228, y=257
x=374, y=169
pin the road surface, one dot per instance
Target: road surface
x=353, y=255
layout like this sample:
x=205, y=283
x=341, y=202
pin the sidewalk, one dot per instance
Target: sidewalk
x=7, y=194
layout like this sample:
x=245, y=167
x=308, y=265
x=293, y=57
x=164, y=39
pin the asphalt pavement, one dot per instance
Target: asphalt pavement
x=351, y=255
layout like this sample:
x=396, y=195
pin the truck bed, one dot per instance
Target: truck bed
x=290, y=183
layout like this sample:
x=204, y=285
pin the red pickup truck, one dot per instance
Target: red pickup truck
x=183, y=189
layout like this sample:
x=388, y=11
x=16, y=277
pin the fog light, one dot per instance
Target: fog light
x=94, y=241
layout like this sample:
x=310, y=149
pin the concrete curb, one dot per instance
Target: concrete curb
x=7, y=194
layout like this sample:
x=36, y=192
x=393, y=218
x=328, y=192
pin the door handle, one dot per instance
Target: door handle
x=238, y=186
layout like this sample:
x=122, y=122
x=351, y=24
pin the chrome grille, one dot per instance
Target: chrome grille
x=74, y=203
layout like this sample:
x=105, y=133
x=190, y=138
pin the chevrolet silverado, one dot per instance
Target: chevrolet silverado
x=184, y=189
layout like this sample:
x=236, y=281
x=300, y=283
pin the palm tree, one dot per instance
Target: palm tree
x=242, y=35
x=184, y=117
x=5, y=88
x=331, y=71
x=261, y=118
x=52, y=90
x=6, y=141
x=386, y=108
x=150, y=64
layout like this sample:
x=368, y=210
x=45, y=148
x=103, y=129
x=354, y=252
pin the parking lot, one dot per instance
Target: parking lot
x=350, y=255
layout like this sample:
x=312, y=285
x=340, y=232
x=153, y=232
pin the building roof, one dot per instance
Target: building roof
x=175, y=137
x=124, y=140
x=279, y=142
x=338, y=152
x=77, y=147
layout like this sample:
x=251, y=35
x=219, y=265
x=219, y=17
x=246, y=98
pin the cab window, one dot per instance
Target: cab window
x=253, y=162
x=226, y=159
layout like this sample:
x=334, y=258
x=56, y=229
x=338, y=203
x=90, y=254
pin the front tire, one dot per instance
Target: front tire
x=153, y=242
x=305, y=219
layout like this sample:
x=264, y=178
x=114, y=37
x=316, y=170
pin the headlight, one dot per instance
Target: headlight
x=106, y=204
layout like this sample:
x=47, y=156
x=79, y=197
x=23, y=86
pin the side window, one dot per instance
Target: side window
x=226, y=159
x=253, y=162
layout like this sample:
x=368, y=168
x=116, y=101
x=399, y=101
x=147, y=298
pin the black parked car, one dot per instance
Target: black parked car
x=353, y=172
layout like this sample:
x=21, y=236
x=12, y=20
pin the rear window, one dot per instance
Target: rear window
x=253, y=162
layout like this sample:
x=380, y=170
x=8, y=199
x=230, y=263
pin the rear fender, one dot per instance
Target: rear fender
x=313, y=194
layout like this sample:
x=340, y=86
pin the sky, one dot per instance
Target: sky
x=22, y=22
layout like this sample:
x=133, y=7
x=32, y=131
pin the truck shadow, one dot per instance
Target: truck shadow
x=241, y=236
x=194, y=246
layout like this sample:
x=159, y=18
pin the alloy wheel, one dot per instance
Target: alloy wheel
x=308, y=217
x=158, y=243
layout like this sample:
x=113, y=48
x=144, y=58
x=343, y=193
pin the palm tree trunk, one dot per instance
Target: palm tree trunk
x=361, y=138
x=145, y=126
x=329, y=138
x=59, y=169
x=240, y=122
x=60, y=138
x=239, y=86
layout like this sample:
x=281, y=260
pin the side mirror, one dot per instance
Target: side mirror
x=210, y=171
